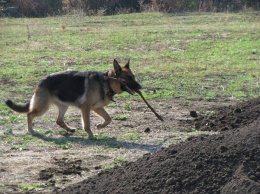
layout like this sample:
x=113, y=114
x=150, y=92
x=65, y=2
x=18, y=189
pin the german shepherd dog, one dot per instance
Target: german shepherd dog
x=88, y=90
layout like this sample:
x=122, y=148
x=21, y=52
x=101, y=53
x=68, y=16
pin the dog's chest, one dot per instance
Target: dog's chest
x=101, y=103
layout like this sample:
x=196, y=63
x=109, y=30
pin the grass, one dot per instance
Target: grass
x=120, y=159
x=23, y=142
x=107, y=167
x=29, y=187
x=203, y=56
x=120, y=117
x=132, y=135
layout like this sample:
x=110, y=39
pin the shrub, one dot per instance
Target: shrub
x=42, y=8
x=38, y=8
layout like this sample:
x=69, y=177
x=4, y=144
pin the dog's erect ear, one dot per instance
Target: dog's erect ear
x=127, y=65
x=117, y=68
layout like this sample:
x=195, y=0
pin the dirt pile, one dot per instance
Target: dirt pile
x=225, y=163
x=231, y=117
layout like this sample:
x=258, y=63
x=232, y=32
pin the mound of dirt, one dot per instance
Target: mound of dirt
x=231, y=117
x=224, y=163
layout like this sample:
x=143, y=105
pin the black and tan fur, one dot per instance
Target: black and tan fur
x=89, y=91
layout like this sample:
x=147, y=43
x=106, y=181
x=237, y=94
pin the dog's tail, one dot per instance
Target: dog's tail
x=18, y=108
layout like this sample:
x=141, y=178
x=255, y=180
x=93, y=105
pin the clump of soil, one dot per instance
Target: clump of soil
x=223, y=163
x=231, y=117
x=63, y=166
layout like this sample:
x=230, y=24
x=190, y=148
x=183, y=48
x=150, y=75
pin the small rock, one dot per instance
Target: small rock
x=205, y=128
x=170, y=181
x=223, y=149
x=238, y=121
x=237, y=110
x=147, y=130
x=173, y=152
x=97, y=167
x=252, y=176
x=190, y=138
x=197, y=125
x=193, y=114
x=234, y=125
x=224, y=128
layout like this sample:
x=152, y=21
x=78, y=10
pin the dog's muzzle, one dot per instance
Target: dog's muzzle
x=131, y=87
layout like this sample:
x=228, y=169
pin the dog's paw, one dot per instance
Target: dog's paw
x=95, y=136
x=33, y=133
x=92, y=137
x=71, y=130
x=100, y=126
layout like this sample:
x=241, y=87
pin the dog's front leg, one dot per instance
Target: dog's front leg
x=102, y=112
x=60, y=120
x=85, y=112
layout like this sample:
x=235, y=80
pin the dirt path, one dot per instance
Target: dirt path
x=51, y=161
x=48, y=160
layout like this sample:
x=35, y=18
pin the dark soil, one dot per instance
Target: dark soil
x=63, y=166
x=231, y=117
x=228, y=162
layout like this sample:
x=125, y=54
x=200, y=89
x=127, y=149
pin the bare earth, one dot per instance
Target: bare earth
x=216, y=152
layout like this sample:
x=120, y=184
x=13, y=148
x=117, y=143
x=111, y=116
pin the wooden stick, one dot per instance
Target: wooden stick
x=138, y=92
x=119, y=81
x=156, y=114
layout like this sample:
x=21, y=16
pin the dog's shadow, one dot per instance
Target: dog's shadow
x=111, y=142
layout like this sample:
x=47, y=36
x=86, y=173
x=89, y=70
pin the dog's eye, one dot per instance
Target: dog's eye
x=128, y=78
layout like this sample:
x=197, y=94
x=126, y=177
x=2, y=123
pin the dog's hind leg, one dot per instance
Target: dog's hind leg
x=30, y=117
x=102, y=112
x=38, y=106
x=60, y=120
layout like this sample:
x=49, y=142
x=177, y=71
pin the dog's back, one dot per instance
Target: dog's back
x=72, y=86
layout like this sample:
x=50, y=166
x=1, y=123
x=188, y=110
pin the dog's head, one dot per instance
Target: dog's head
x=126, y=78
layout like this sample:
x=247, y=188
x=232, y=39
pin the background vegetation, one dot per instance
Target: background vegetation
x=41, y=8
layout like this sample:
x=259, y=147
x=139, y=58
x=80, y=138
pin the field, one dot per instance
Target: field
x=192, y=62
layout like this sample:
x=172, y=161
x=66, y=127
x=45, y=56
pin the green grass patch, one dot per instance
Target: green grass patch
x=130, y=135
x=30, y=187
x=120, y=117
x=120, y=159
x=194, y=56
x=107, y=167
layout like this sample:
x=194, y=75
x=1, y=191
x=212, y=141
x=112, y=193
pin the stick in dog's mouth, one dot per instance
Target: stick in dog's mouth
x=132, y=92
x=156, y=114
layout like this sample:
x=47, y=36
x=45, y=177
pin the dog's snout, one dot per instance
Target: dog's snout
x=137, y=86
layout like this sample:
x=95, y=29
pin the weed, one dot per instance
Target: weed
x=131, y=135
x=29, y=187
x=193, y=130
x=65, y=146
x=120, y=159
x=69, y=152
x=20, y=147
x=8, y=131
x=107, y=167
x=102, y=137
x=127, y=106
x=9, y=139
x=4, y=110
x=208, y=113
x=120, y=117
